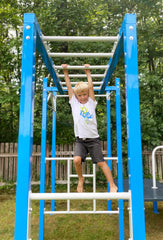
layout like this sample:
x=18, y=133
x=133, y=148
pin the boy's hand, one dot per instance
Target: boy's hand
x=67, y=80
x=86, y=66
x=65, y=67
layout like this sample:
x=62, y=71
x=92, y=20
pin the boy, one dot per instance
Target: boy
x=83, y=104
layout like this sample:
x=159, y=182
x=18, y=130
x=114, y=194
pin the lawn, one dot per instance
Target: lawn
x=80, y=227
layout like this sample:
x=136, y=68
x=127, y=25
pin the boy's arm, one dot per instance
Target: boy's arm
x=67, y=80
x=90, y=83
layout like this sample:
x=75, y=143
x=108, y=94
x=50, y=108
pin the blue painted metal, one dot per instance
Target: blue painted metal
x=43, y=53
x=53, y=154
x=111, y=88
x=26, y=118
x=51, y=89
x=119, y=155
x=108, y=139
x=155, y=207
x=127, y=41
x=112, y=63
x=133, y=126
x=43, y=155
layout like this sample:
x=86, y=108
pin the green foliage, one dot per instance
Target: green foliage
x=82, y=18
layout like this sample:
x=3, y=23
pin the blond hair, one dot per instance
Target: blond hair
x=81, y=87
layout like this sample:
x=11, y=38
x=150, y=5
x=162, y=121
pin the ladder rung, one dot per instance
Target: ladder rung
x=72, y=83
x=80, y=54
x=81, y=212
x=84, y=175
x=82, y=75
x=80, y=38
x=82, y=67
x=71, y=158
x=96, y=95
x=83, y=195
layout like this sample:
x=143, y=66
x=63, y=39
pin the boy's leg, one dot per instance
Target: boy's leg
x=108, y=175
x=78, y=167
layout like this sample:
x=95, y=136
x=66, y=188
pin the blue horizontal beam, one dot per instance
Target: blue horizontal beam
x=111, y=88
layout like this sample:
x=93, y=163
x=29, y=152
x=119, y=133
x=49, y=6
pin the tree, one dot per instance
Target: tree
x=81, y=18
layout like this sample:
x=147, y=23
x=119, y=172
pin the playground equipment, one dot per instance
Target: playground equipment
x=126, y=42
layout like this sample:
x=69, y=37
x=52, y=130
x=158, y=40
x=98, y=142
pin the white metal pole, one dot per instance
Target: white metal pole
x=82, y=67
x=80, y=54
x=95, y=88
x=84, y=175
x=81, y=212
x=71, y=158
x=81, y=75
x=130, y=219
x=96, y=95
x=153, y=166
x=94, y=185
x=78, y=196
x=72, y=83
x=80, y=38
x=68, y=184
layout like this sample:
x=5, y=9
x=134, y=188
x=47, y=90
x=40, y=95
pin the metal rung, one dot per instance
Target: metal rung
x=81, y=54
x=80, y=212
x=95, y=88
x=71, y=158
x=82, y=75
x=82, y=67
x=80, y=38
x=84, y=175
x=72, y=83
x=96, y=95
x=76, y=196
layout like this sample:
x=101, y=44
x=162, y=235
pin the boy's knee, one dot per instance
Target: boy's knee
x=101, y=164
x=77, y=160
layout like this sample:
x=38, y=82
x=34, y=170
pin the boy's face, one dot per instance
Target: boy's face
x=82, y=97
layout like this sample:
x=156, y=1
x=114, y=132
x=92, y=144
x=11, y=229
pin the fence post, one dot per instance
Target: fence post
x=15, y=160
x=1, y=161
x=11, y=149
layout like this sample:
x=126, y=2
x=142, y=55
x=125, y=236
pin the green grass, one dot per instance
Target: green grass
x=76, y=227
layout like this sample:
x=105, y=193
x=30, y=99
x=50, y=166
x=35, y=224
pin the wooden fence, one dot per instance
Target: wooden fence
x=8, y=162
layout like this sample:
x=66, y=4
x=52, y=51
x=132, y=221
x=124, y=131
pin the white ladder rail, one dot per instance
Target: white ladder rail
x=76, y=176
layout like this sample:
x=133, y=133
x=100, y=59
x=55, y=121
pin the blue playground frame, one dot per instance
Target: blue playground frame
x=127, y=43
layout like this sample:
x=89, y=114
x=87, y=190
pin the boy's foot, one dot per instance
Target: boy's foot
x=80, y=185
x=114, y=189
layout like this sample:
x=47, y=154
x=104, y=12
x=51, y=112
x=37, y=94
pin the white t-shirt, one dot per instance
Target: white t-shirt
x=85, y=124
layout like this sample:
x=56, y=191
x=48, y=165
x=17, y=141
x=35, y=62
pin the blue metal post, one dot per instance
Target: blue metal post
x=43, y=156
x=119, y=155
x=26, y=119
x=133, y=126
x=155, y=207
x=53, y=151
x=108, y=138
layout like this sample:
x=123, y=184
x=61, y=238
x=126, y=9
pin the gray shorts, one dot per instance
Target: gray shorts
x=91, y=146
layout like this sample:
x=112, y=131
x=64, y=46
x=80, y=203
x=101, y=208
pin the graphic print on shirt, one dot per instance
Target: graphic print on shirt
x=86, y=115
